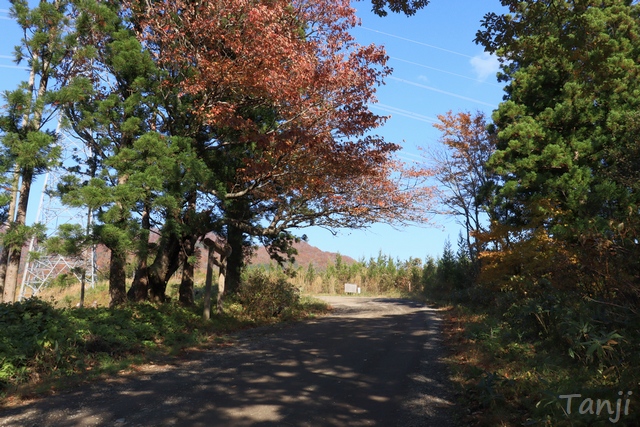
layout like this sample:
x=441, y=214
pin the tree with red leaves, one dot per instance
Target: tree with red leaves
x=282, y=89
x=259, y=114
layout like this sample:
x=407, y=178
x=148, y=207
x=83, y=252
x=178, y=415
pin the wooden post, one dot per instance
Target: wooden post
x=209, y=278
x=221, y=279
x=224, y=250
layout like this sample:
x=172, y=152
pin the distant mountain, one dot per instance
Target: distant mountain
x=307, y=254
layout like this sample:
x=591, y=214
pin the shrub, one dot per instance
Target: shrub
x=265, y=296
x=33, y=334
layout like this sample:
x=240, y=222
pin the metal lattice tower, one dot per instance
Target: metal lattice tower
x=40, y=268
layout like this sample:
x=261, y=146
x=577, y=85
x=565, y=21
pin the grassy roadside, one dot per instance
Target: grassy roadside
x=45, y=346
x=512, y=367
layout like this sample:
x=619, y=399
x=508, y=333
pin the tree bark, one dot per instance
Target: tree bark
x=15, y=253
x=186, y=284
x=235, y=261
x=165, y=264
x=188, y=250
x=224, y=250
x=211, y=261
x=4, y=254
x=117, y=278
x=221, y=279
x=139, y=290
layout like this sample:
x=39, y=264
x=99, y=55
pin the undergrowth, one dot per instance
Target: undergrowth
x=513, y=360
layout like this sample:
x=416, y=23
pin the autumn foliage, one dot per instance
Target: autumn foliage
x=246, y=119
x=298, y=103
x=459, y=166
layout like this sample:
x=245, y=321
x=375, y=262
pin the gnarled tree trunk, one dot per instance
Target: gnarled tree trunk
x=117, y=277
x=235, y=261
x=139, y=290
x=164, y=265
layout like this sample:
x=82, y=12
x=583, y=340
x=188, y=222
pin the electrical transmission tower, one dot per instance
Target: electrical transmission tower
x=40, y=267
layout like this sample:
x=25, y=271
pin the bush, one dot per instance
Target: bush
x=39, y=340
x=33, y=333
x=265, y=296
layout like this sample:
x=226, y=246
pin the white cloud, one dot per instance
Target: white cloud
x=423, y=78
x=485, y=65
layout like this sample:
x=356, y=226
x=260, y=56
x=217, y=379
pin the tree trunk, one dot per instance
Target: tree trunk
x=117, y=278
x=139, y=290
x=235, y=261
x=11, y=279
x=15, y=253
x=188, y=249
x=4, y=254
x=186, y=284
x=224, y=250
x=211, y=261
x=83, y=279
x=164, y=266
x=221, y=276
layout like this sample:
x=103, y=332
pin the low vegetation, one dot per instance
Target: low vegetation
x=517, y=357
x=47, y=343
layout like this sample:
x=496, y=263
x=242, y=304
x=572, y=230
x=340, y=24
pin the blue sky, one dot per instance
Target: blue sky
x=437, y=68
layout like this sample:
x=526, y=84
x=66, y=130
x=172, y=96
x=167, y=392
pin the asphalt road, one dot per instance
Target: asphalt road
x=372, y=362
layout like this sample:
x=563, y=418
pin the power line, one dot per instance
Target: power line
x=444, y=92
x=405, y=113
x=18, y=67
x=418, y=42
x=443, y=71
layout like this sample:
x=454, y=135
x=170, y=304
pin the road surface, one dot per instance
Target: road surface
x=371, y=362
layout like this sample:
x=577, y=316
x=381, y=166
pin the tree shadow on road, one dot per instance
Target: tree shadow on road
x=334, y=371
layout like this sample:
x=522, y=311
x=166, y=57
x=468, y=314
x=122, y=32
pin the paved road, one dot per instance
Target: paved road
x=372, y=362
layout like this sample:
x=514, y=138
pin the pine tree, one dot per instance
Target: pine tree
x=117, y=122
x=46, y=44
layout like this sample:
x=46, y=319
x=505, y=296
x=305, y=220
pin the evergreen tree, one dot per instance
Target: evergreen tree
x=567, y=148
x=429, y=273
x=447, y=271
x=31, y=146
x=111, y=106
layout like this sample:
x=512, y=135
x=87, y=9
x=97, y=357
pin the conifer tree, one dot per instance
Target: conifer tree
x=30, y=144
x=110, y=104
x=568, y=129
